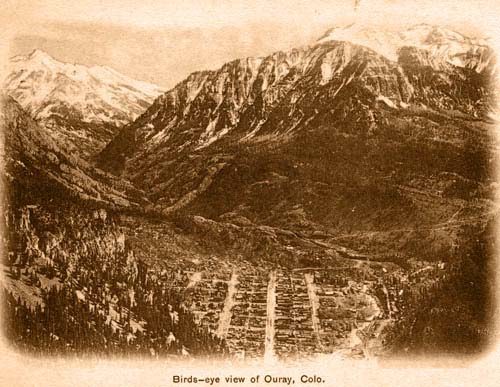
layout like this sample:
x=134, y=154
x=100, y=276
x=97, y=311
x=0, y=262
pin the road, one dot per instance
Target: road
x=225, y=316
x=313, y=299
x=269, y=355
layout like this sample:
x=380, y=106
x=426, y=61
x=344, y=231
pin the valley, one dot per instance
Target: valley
x=335, y=199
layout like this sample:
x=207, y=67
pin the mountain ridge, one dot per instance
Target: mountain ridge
x=34, y=165
x=82, y=106
x=447, y=45
x=257, y=86
x=336, y=123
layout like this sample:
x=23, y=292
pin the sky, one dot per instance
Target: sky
x=163, y=41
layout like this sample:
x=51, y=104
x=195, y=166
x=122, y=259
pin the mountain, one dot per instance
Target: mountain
x=35, y=167
x=82, y=107
x=355, y=185
x=341, y=153
x=333, y=138
x=61, y=218
x=443, y=45
x=335, y=101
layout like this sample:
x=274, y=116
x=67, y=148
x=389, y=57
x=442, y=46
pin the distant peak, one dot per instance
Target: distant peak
x=39, y=54
x=422, y=25
x=342, y=32
x=335, y=29
x=444, y=43
x=36, y=57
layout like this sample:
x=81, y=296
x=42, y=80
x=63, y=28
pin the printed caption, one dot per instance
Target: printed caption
x=257, y=379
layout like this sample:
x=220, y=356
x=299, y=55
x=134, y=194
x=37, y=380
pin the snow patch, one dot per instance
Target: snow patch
x=254, y=131
x=326, y=73
x=214, y=138
x=387, y=101
x=209, y=136
x=161, y=136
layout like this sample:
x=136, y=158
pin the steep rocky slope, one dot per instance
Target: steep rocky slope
x=34, y=166
x=334, y=139
x=277, y=96
x=82, y=107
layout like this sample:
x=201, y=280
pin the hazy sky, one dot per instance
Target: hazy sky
x=164, y=41
x=162, y=55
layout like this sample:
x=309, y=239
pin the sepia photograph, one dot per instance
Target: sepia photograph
x=230, y=192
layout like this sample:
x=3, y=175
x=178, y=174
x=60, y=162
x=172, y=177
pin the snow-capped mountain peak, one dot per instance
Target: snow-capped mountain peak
x=443, y=44
x=81, y=106
x=39, y=55
x=41, y=84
